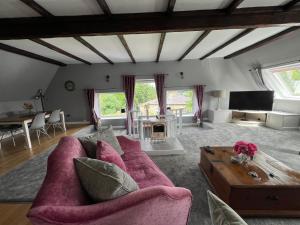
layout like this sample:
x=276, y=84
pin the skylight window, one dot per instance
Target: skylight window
x=284, y=80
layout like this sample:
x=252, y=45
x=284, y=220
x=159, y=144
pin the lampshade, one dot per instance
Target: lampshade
x=219, y=93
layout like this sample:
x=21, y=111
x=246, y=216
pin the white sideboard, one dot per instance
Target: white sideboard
x=283, y=120
x=219, y=116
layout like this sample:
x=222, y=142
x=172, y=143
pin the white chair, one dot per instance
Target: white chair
x=8, y=129
x=38, y=125
x=54, y=121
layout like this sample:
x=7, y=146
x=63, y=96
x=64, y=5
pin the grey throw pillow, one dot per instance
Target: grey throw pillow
x=108, y=136
x=221, y=213
x=102, y=180
x=89, y=143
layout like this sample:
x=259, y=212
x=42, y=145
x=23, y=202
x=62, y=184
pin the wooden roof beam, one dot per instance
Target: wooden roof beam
x=199, y=39
x=22, y=52
x=48, y=27
x=263, y=42
x=59, y=50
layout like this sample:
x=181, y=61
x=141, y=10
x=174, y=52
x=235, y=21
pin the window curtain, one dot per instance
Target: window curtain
x=257, y=76
x=90, y=93
x=199, y=91
x=128, y=87
x=160, y=84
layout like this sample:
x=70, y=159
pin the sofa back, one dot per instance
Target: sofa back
x=61, y=186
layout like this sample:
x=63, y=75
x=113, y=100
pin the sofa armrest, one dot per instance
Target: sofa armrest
x=157, y=205
x=128, y=145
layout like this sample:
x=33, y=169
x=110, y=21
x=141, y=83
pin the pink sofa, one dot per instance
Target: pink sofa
x=61, y=199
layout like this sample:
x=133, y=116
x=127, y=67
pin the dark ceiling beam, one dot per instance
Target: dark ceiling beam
x=261, y=43
x=124, y=43
x=233, y=6
x=47, y=27
x=160, y=46
x=105, y=8
x=59, y=50
x=290, y=4
x=22, y=52
x=37, y=7
x=199, y=39
x=170, y=9
x=93, y=49
x=235, y=38
x=171, y=5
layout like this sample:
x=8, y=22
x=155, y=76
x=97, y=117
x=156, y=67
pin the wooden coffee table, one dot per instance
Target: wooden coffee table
x=277, y=195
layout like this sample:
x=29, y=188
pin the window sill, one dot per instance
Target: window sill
x=112, y=118
x=287, y=99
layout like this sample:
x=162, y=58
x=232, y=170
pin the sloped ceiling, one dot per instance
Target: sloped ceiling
x=21, y=77
x=144, y=47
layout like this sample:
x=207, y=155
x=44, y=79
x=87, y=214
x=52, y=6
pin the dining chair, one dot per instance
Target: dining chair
x=38, y=125
x=8, y=129
x=54, y=121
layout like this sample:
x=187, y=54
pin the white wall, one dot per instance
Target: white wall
x=280, y=51
x=20, y=78
x=215, y=73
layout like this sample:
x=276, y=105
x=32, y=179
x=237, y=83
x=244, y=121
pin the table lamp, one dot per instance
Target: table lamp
x=219, y=94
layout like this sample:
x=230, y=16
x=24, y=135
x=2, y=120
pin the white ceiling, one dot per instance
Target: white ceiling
x=176, y=43
x=69, y=8
x=33, y=47
x=74, y=47
x=15, y=8
x=110, y=46
x=144, y=47
x=137, y=6
x=185, y=5
x=261, y=3
x=251, y=38
x=211, y=42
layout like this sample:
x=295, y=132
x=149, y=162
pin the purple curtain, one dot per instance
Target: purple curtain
x=160, y=84
x=128, y=87
x=199, y=90
x=90, y=93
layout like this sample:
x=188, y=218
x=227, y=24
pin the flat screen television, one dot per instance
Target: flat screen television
x=251, y=100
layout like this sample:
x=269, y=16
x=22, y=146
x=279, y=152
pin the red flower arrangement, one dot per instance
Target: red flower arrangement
x=245, y=148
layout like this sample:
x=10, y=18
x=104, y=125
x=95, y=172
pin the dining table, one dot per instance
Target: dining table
x=25, y=121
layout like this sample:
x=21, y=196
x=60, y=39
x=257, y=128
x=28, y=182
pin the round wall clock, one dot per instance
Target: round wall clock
x=69, y=85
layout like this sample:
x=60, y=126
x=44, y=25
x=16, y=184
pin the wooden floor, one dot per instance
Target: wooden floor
x=10, y=157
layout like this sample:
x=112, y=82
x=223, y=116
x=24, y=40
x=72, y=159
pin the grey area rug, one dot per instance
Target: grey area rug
x=22, y=183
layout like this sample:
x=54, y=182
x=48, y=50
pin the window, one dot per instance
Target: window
x=110, y=104
x=145, y=97
x=180, y=99
x=285, y=80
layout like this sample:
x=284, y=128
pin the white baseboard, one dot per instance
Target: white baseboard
x=78, y=122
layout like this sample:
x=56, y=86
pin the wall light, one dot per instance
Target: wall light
x=107, y=78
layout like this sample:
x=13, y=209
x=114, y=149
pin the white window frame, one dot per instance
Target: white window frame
x=281, y=91
x=194, y=101
x=98, y=107
x=146, y=80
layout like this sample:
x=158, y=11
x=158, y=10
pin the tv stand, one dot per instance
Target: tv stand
x=272, y=119
x=250, y=117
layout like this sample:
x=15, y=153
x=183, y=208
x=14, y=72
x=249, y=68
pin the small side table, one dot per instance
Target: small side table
x=219, y=116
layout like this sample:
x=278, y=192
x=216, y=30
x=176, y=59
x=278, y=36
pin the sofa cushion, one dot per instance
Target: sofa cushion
x=221, y=213
x=144, y=171
x=90, y=142
x=108, y=136
x=107, y=153
x=102, y=180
